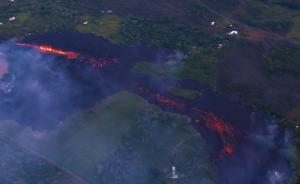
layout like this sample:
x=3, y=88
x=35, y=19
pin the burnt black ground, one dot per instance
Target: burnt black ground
x=259, y=155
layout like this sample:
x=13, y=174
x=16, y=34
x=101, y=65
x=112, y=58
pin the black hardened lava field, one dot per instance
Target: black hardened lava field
x=149, y=92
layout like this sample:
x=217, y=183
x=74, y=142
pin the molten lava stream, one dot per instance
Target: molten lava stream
x=50, y=50
x=163, y=100
x=95, y=63
x=224, y=130
x=169, y=102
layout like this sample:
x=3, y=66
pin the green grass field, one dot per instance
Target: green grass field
x=18, y=165
x=107, y=27
x=185, y=93
x=121, y=140
x=295, y=31
x=198, y=69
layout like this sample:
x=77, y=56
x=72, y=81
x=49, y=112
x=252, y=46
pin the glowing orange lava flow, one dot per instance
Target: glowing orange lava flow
x=95, y=63
x=50, y=50
x=224, y=130
x=169, y=102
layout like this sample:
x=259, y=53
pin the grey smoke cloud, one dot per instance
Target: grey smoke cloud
x=38, y=91
x=41, y=90
x=28, y=92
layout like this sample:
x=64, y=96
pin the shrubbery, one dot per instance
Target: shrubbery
x=283, y=60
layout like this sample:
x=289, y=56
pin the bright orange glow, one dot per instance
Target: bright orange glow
x=218, y=125
x=223, y=129
x=227, y=150
x=51, y=50
x=95, y=63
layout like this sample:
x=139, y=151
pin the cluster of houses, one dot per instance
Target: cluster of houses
x=233, y=32
x=10, y=18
